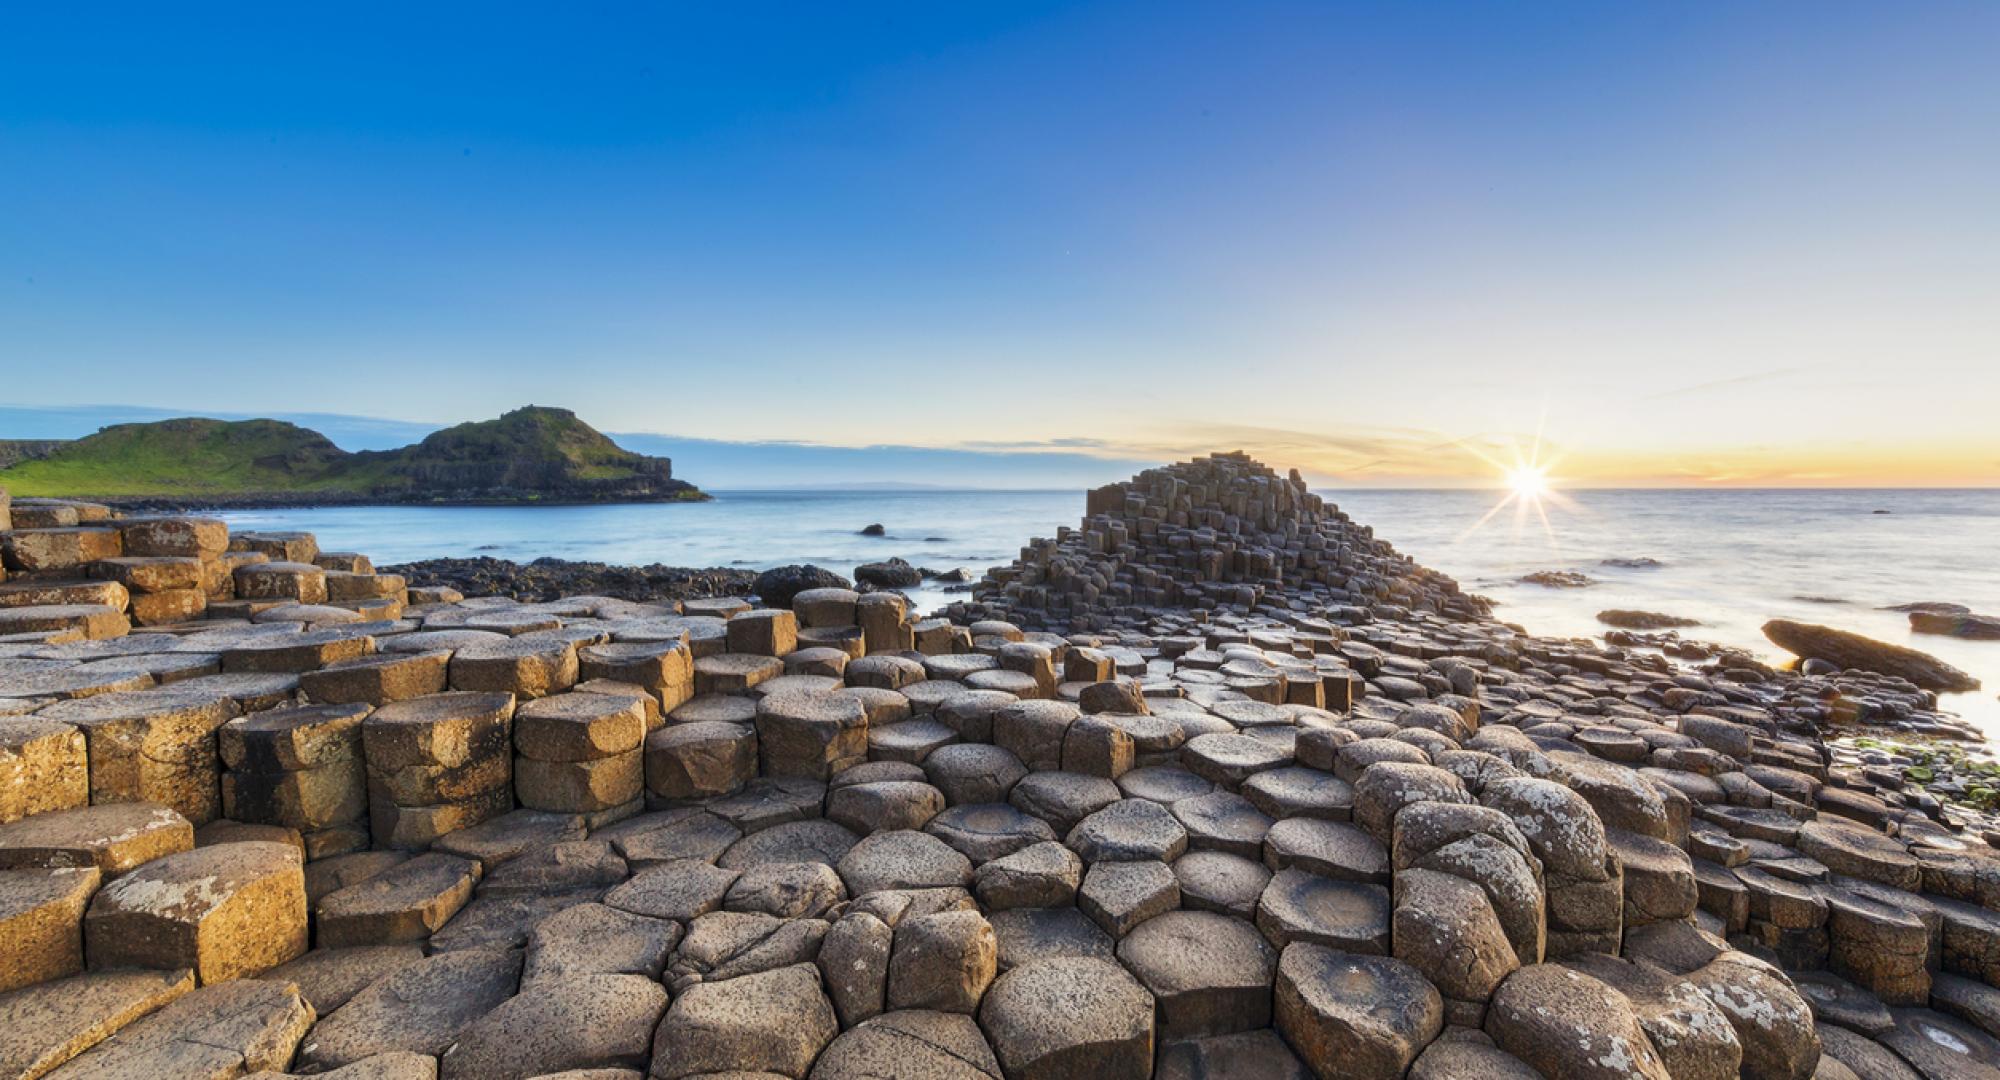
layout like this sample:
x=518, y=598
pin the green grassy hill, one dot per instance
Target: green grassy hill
x=528, y=455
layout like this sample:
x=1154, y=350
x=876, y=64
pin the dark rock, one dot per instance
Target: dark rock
x=1559, y=579
x=874, y=530
x=777, y=586
x=1643, y=620
x=890, y=574
x=1854, y=651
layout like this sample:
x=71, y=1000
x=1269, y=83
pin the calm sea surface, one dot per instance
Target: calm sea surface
x=1729, y=558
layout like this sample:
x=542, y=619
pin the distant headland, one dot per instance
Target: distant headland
x=534, y=454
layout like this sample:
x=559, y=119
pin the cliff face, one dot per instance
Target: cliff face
x=533, y=454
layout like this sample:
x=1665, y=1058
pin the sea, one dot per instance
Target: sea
x=1730, y=558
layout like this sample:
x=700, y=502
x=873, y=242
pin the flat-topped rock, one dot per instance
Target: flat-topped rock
x=227, y=1029
x=329, y=978
x=43, y=767
x=114, y=837
x=41, y=923
x=153, y=746
x=420, y=1008
x=1071, y=1017
x=228, y=911
x=378, y=680
x=1209, y=974
x=294, y=738
x=524, y=667
x=405, y=903
x=773, y=1022
x=47, y=1024
x=1350, y=1015
x=578, y=727
x=572, y=1022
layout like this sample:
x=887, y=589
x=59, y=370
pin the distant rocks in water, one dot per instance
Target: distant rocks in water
x=955, y=576
x=889, y=574
x=1931, y=607
x=778, y=585
x=1559, y=579
x=1806, y=598
x=1626, y=619
x=552, y=579
x=1641, y=563
x=1849, y=650
x=875, y=530
x=1956, y=624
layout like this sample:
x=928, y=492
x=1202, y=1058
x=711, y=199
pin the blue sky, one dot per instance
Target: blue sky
x=1688, y=243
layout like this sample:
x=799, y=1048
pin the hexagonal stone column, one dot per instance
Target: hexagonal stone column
x=1353, y=1016
x=153, y=746
x=803, y=733
x=1070, y=1017
x=114, y=837
x=437, y=764
x=228, y=911
x=579, y=753
x=41, y=923
x=300, y=767
x=43, y=767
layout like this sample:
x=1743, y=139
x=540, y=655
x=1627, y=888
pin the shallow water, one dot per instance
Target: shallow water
x=1729, y=558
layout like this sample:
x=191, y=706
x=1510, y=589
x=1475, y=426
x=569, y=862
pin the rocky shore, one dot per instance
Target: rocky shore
x=1214, y=784
x=552, y=579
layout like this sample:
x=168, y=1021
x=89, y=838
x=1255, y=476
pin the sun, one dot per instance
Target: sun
x=1528, y=481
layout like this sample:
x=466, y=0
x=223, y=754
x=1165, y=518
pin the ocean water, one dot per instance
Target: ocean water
x=1729, y=558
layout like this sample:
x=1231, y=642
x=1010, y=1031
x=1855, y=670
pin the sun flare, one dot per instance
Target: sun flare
x=1528, y=481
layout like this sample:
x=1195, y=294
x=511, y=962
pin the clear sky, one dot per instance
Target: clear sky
x=1745, y=243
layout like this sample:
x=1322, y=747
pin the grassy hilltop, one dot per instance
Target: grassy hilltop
x=533, y=454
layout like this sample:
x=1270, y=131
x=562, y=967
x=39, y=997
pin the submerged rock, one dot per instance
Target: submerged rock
x=1626, y=619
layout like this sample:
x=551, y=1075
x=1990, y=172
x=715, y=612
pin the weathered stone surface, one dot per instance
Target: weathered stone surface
x=228, y=911
x=329, y=978
x=676, y=890
x=1772, y=1022
x=942, y=962
x=808, y=734
x=902, y=860
x=42, y=767
x=41, y=919
x=377, y=680
x=1209, y=974
x=787, y=890
x=1354, y=1016
x=525, y=667
x=407, y=902
x=699, y=760
x=1300, y=907
x=774, y=1022
x=1445, y=927
x=1119, y=896
x=1566, y=1023
x=44, y=1025
x=114, y=837
x=154, y=746
x=913, y=1045
x=573, y=1022
x=420, y=1008
x=224, y=1030
x=1041, y=875
x=854, y=962
x=1070, y=1017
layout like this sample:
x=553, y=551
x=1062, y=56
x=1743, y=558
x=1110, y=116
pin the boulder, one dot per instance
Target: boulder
x=1849, y=650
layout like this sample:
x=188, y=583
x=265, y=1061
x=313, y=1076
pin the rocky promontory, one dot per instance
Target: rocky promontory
x=1214, y=783
x=530, y=455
